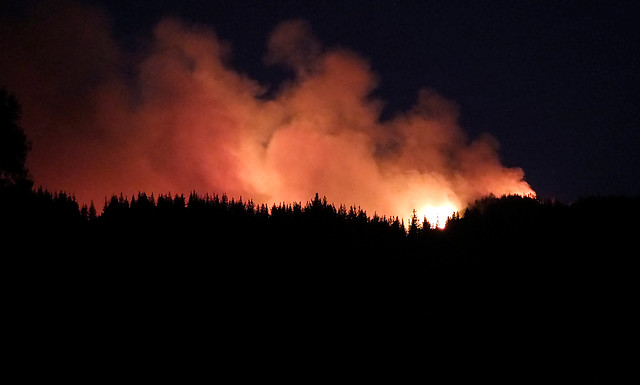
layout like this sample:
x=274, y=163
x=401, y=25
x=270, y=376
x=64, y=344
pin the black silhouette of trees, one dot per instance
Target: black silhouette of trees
x=503, y=258
x=13, y=143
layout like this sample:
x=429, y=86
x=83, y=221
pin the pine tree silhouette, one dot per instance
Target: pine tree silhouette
x=13, y=144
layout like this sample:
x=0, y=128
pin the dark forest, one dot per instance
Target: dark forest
x=540, y=288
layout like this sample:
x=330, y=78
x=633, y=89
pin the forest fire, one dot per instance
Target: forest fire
x=437, y=215
x=174, y=116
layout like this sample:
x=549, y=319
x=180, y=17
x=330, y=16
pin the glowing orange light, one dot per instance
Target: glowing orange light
x=436, y=215
x=189, y=121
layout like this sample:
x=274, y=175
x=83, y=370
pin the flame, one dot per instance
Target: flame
x=182, y=119
x=437, y=215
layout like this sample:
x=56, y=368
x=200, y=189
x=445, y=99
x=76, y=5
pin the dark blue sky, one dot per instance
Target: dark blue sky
x=556, y=82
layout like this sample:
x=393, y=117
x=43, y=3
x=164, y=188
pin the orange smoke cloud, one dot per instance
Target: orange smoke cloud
x=176, y=117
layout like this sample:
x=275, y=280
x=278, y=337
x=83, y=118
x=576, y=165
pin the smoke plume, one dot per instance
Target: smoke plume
x=175, y=117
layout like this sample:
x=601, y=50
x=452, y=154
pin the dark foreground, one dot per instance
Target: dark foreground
x=514, y=290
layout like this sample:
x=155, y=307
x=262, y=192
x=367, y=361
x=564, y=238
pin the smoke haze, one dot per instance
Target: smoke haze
x=175, y=117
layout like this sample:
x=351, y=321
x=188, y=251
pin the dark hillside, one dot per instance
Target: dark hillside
x=512, y=271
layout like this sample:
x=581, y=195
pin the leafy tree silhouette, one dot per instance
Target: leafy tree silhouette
x=13, y=144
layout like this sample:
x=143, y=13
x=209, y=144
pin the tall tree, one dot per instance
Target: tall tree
x=13, y=143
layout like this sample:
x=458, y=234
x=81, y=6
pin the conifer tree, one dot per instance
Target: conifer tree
x=13, y=144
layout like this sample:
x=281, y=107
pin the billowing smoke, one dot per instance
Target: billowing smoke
x=175, y=117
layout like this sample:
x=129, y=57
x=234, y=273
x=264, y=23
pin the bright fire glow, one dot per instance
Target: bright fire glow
x=436, y=215
x=180, y=118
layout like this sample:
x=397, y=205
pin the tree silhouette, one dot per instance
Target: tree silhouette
x=510, y=257
x=13, y=144
x=413, y=225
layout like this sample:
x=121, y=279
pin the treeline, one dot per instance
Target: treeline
x=146, y=224
x=504, y=229
x=551, y=285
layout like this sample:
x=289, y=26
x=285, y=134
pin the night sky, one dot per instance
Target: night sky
x=555, y=82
